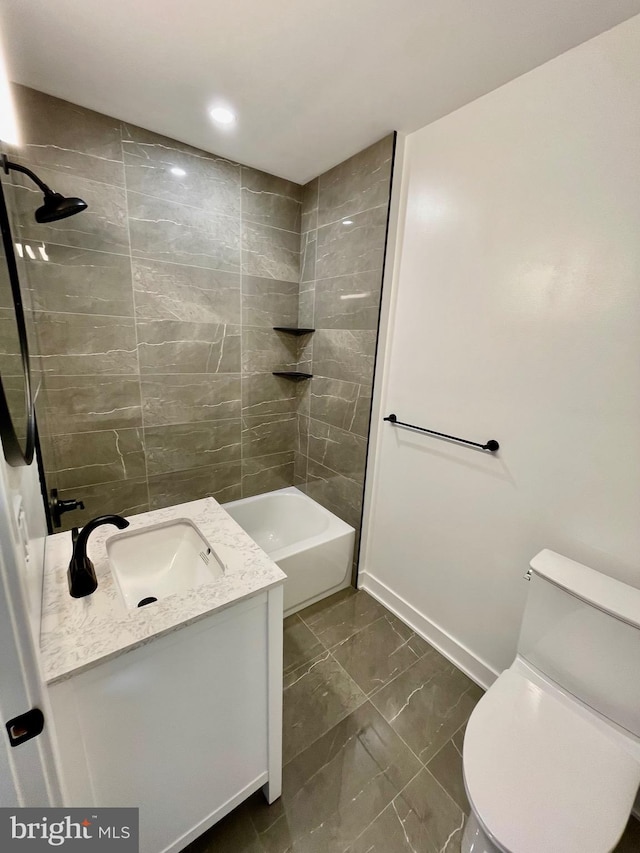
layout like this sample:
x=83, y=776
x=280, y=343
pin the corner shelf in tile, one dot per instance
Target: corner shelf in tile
x=293, y=331
x=295, y=375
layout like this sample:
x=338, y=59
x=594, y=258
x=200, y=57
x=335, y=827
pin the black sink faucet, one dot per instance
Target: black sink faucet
x=82, y=575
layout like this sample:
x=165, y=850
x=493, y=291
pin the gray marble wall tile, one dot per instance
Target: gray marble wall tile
x=221, y=482
x=270, y=252
x=266, y=473
x=167, y=231
x=79, y=281
x=357, y=184
x=168, y=291
x=264, y=350
x=360, y=762
x=308, y=256
x=186, y=398
x=339, y=494
x=6, y=297
x=87, y=458
x=267, y=434
x=337, y=449
x=268, y=200
x=269, y=302
x=357, y=247
x=344, y=354
x=265, y=394
x=171, y=346
x=180, y=447
x=209, y=182
x=121, y=497
x=309, y=220
x=302, y=435
x=349, y=301
x=300, y=471
x=86, y=344
x=341, y=404
x=421, y=817
x=68, y=138
x=74, y=404
x=305, y=309
x=10, y=353
x=102, y=226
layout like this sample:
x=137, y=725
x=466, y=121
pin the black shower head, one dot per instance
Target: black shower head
x=56, y=207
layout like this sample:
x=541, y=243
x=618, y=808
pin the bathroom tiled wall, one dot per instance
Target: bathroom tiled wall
x=153, y=312
x=344, y=222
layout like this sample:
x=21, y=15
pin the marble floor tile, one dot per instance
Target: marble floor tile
x=351, y=782
x=423, y=818
x=446, y=766
x=427, y=703
x=378, y=653
x=339, y=616
x=300, y=644
x=336, y=787
x=317, y=695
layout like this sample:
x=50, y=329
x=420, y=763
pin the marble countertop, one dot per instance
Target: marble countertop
x=78, y=633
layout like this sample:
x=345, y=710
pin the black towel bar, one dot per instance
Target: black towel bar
x=491, y=445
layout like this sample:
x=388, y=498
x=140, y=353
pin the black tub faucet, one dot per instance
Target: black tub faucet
x=82, y=575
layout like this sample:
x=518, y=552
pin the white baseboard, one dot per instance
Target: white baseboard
x=477, y=669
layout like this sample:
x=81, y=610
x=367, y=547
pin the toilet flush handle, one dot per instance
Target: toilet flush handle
x=527, y=577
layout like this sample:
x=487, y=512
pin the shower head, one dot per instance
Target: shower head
x=55, y=206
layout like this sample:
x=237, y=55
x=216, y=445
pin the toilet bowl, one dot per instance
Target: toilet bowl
x=551, y=756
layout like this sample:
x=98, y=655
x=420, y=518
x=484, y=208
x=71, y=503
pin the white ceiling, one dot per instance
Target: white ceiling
x=312, y=81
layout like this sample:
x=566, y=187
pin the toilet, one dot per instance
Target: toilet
x=551, y=755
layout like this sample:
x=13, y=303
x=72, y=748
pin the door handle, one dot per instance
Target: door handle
x=26, y=726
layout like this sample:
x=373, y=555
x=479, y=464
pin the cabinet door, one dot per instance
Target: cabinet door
x=177, y=727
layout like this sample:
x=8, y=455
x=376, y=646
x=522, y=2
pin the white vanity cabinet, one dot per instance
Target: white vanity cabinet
x=184, y=727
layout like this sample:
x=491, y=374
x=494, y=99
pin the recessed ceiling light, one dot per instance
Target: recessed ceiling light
x=178, y=172
x=222, y=115
x=347, y=221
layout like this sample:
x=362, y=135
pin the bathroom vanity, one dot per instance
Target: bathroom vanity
x=174, y=707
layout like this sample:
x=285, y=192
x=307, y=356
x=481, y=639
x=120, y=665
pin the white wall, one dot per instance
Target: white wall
x=514, y=315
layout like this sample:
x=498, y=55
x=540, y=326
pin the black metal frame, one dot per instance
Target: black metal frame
x=14, y=453
x=492, y=445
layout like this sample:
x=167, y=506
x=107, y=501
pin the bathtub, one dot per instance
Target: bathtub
x=312, y=546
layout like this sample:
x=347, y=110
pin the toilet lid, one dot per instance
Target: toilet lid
x=541, y=777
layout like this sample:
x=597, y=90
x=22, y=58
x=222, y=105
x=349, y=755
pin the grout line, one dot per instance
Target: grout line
x=344, y=216
x=242, y=330
x=135, y=322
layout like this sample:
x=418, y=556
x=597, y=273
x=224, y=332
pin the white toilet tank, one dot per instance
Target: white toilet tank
x=582, y=630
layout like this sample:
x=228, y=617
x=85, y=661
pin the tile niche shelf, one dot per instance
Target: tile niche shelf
x=295, y=375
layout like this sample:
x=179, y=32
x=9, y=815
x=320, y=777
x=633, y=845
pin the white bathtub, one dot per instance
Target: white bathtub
x=312, y=546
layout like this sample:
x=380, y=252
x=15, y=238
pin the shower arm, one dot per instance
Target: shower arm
x=8, y=165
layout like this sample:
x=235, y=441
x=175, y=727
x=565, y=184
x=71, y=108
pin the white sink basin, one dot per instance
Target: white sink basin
x=156, y=561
